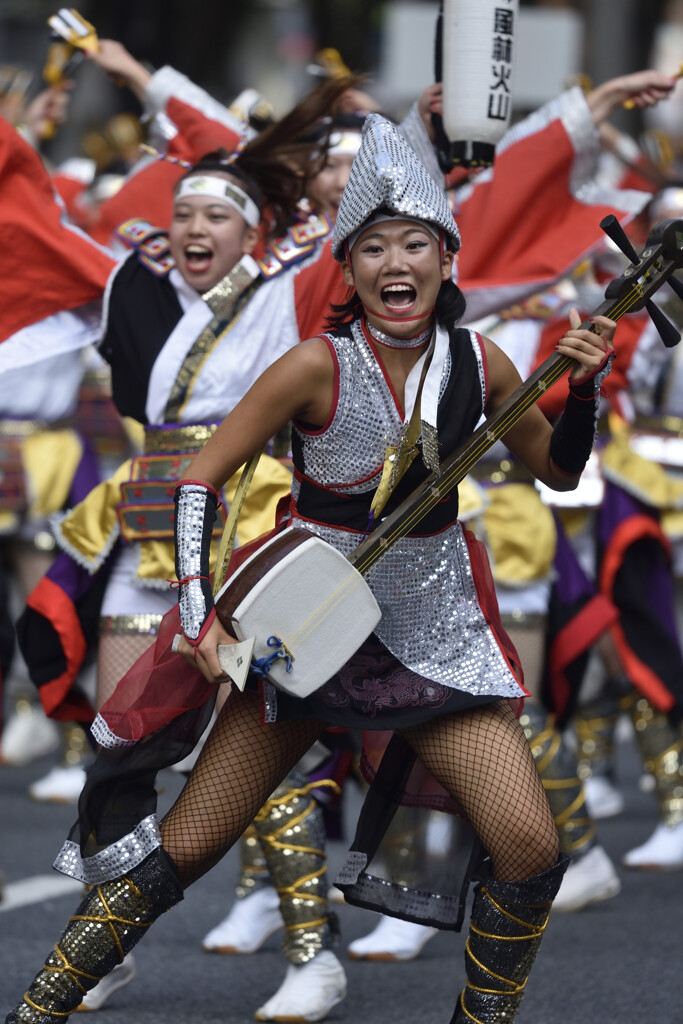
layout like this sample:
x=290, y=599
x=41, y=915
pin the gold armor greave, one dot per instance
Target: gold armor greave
x=594, y=723
x=291, y=829
x=661, y=748
x=507, y=925
x=253, y=868
x=109, y=922
x=557, y=767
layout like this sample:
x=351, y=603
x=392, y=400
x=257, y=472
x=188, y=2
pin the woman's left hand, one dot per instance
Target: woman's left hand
x=588, y=347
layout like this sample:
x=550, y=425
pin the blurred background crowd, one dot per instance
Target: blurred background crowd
x=275, y=47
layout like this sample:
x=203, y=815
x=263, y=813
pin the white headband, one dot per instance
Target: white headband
x=344, y=143
x=377, y=218
x=225, y=191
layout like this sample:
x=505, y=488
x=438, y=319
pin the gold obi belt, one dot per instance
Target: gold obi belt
x=38, y=461
x=136, y=503
x=146, y=509
x=663, y=424
x=501, y=471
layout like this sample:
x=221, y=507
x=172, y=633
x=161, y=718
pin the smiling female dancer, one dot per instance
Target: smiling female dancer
x=438, y=669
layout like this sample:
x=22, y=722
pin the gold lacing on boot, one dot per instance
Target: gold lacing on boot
x=290, y=826
x=661, y=748
x=507, y=925
x=253, y=867
x=509, y=987
x=106, y=926
x=557, y=769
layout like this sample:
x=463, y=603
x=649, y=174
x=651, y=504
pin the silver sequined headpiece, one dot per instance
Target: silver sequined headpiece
x=387, y=175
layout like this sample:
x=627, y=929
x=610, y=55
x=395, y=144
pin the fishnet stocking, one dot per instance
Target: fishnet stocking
x=240, y=766
x=115, y=655
x=483, y=759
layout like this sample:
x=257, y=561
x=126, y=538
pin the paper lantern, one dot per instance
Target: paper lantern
x=477, y=42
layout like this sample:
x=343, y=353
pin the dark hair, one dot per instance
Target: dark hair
x=449, y=308
x=285, y=155
x=219, y=161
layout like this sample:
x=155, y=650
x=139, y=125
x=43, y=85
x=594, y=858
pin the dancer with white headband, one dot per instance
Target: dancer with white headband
x=190, y=321
x=228, y=192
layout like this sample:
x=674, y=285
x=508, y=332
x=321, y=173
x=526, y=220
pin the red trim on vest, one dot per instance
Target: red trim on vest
x=380, y=362
x=335, y=396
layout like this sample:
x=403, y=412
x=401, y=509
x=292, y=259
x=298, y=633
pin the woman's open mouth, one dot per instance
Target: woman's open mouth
x=197, y=258
x=398, y=298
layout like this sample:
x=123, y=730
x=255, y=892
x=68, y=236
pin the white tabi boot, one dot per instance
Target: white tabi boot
x=251, y=921
x=392, y=940
x=308, y=992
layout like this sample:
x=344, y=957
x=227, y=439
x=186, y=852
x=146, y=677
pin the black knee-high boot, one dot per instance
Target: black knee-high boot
x=506, y=928
x=111, y=919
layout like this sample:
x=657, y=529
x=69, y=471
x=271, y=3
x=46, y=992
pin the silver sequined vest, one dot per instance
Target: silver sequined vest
x=431, y=617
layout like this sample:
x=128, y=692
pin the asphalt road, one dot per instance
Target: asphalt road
x=612, y=963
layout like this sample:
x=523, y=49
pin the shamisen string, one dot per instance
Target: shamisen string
x=224, y=191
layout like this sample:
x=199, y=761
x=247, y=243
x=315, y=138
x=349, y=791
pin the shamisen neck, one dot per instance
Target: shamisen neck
x=418, y=340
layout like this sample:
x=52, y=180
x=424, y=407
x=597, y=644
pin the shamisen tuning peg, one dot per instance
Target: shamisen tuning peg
x=72, y=27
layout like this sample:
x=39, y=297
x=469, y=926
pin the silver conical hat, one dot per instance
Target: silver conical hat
x=386, y=174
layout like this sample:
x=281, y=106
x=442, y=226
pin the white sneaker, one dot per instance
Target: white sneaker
x=393, y=939
x=61, y=785
x=603, y=799
x=121, y=975
x=662, y=852
x=251, y=921
x=308, y=992
x=591, y=878
x=29, y=734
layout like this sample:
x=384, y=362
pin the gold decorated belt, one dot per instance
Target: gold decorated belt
x=127, y=625
x=501, y=471
x=660, y=424
x=18, y=429
x=146, y=509
x=186, y=438
x=523, y=620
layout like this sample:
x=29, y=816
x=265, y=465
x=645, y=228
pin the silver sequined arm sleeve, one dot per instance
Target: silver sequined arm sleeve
x=195, y=514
